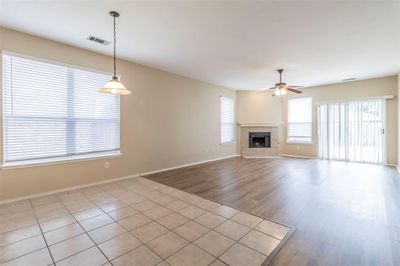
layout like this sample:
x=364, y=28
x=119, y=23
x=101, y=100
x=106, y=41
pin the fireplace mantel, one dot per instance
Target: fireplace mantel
x=261, y=125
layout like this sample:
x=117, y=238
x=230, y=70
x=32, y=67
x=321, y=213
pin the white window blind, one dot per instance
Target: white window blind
x=227, y=120
x=352, y=131
x=55, y=111
x=299, y=127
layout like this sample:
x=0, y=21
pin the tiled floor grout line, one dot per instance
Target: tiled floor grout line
x=126, y=206
x=84, y=231
x=28, y=253
x=253, y=228
x=236, y=241
x=143, y=243
x=68, y=238
x=5, y=232
x=151, y=220
x=211, y=229
x=115, y=221
x=205, y=198
x=22, y=238
x=190, y=204
x=129, y=231
x=87, y=232
x=168, y=230
x=122, y=227
x=41, y=231
x=155, y=221
x=104, y=212
x=159, y=188
x=189, y=220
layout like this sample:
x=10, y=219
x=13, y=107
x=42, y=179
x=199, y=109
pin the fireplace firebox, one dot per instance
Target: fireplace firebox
x=259, y=139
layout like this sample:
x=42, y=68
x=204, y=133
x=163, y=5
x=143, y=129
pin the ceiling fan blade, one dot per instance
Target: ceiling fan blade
x=293, y=90
x=265, y=89
x=296, y=86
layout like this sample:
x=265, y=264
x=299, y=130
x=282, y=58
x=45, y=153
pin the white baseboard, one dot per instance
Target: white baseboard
x=262, y=157
x=398, y=168
x=297, y=156
x=36, y=195
x=185, y=165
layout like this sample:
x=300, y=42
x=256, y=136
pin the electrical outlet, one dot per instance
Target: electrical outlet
x=107, y=165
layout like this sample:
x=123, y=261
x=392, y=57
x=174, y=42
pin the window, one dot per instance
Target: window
x=53, y=112
x=299, y=128
x=227, y=120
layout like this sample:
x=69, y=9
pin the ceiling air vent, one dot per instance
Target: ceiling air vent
x=98, y=40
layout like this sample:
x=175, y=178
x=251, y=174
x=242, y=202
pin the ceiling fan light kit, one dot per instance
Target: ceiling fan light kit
x=115, y=86
x=281, y=88
x=280, y=92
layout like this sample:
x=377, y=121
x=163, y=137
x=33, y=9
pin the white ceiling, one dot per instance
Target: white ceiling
x=234, y=44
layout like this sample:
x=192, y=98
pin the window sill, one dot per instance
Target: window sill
x=60, y=160
x=227, y=143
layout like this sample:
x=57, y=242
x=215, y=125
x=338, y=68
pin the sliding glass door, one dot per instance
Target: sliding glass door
x=352, y=131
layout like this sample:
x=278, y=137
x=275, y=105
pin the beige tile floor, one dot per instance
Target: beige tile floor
x=132, y=222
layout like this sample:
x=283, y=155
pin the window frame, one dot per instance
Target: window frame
x=233, y=122
x=52, y=159
x=311, y=123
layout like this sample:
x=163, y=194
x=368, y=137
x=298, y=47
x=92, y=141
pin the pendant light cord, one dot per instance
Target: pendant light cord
x=115, y=43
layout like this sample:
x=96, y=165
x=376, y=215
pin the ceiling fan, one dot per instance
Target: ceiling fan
x=282, y=88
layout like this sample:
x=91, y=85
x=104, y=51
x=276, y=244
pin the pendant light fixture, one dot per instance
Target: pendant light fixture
x=114, y=86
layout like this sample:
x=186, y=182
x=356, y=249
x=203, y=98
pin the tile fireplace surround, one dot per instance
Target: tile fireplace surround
x=135, y=221
x=248, y=152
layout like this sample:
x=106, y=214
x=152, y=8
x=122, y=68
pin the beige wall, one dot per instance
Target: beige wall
x=259, y=108
x=267, y=109
x=168, y=120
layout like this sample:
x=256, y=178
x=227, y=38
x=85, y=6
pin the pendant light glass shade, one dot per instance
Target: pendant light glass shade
x=115, y=87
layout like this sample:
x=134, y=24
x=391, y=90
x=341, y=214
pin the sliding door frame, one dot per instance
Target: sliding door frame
x=384, y=125
x=384, y=135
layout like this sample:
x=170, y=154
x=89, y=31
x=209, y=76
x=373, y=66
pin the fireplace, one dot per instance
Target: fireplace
x=259, y=139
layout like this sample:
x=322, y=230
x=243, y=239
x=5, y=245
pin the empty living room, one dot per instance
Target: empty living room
x=196, y=133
